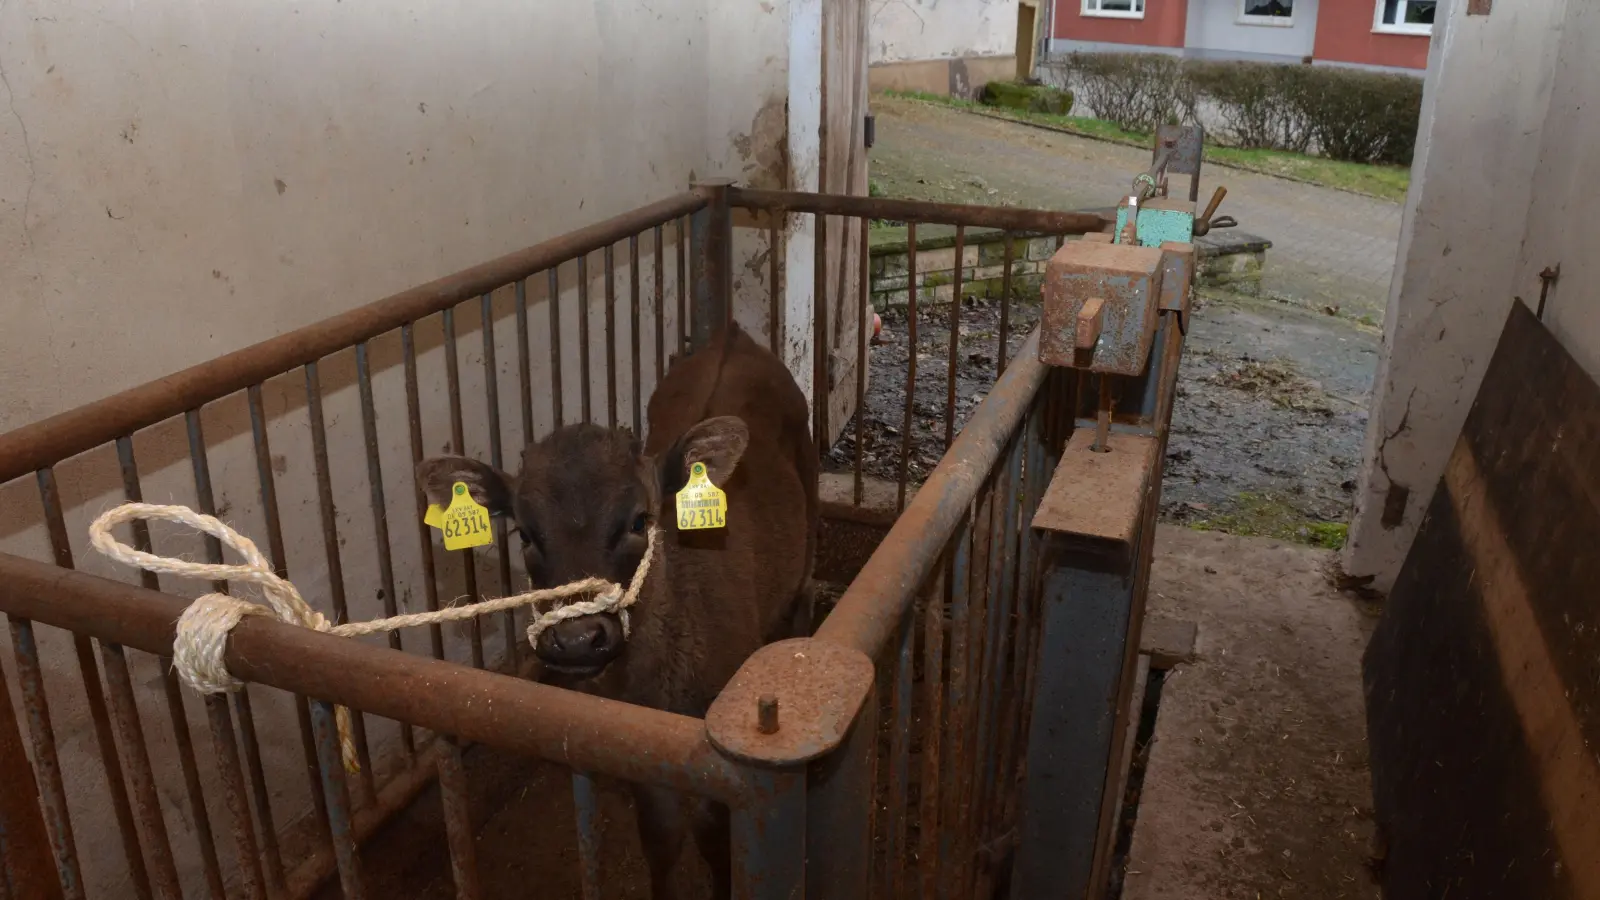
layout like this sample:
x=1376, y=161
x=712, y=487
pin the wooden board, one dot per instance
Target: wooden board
x=1483, y=676
x=843, y=171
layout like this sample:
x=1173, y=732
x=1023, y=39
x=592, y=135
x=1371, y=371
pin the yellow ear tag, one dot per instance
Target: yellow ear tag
x=701, y=504
x=465, y=523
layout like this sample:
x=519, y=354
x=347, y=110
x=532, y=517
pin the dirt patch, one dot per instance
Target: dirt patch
x=1257, y=785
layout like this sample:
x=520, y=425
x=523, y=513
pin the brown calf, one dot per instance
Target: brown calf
x=583, y=503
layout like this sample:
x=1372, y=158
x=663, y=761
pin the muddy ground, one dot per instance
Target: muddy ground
x=1268, y=428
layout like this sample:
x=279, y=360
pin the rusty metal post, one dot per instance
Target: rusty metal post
x=26, y=865
x=799, y=720
x=710, y=262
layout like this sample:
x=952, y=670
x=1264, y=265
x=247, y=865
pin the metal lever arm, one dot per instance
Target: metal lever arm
x=1203, y=223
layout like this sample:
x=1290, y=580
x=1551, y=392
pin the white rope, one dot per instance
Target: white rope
x=202, y=635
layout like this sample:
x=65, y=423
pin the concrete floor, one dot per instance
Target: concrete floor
x=1257, y=784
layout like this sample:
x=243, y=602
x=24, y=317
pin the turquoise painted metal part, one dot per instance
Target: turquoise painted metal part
x=1158, y=225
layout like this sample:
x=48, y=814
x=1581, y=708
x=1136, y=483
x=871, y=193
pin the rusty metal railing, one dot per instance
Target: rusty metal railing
x=946, y=614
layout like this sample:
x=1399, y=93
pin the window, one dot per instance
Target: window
x=1266, y=12
x=1114, y=9
x=1405, y=16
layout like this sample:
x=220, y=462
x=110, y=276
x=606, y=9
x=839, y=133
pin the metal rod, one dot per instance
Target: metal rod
x=233, y=792
x=35, y=446
x=27, y=865
x=525, y=361
x=917, y=211
x=345, y=851
x=911, y=366
x=955, y=340
x=769, y=838
x=491, y=399
x=258, y=789
x=61, y=549
x=430, y=581
x=269, y=505
x=586, y=800
x=711, y=263
x=774, y=297
x=629, y=742
x=633, y=334
x=330, y=546
x=46, y=759
x=380, y=519
x=556, y=393
x=932, y=731
x=133, y=493
x=858, y=482
x=683, y=285
x=611, y=336
x=954, y=731
x=661, y=305
x=1001, y=356
x=458, y=446
x=821, y=390
x=147, y=804
x=586, y=377
x=895, y=819
x=868, y=614
x=1102, y=430
x=458, y=823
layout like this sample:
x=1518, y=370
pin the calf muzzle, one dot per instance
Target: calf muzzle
x=582, y=645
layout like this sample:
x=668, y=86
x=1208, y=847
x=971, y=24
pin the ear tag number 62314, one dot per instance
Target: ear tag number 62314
x=465, y=523
x=701, y=504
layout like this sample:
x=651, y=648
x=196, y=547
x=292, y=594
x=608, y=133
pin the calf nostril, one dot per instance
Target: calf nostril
x=597, y=637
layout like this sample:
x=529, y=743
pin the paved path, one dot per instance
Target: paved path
x=1330, y=247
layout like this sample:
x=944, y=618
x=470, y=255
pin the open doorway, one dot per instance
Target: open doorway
x=1027, y=17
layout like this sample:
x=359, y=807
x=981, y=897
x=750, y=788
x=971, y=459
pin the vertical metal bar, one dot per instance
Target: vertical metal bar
x=611, y=335
x=586, y=800
x=458, y=822
x=774, y=298
x=661, y=307
x=258, y=789
x=345, y=852
x=61, y=548
x=839, y=812
x=275, y=547
x=235, y=797
x=857, y=487
x=821, y=390
x=27, y=867
x=955, y=340
x=46, y=760
x=769, y=838
x=134, y=493
x=932, y=722
x=683, y=286
x=711, y=263
x=955, y=732
x=553, y=290
x=380, y=521
x=147, y=805
x=897, y=814
x=1002, y=356
x=633, y=334
x=586, y=377
x=525, y=361
x=491, y=391
x=911, y=362
x=458, y=444
x=430, y=583
x=330, y=547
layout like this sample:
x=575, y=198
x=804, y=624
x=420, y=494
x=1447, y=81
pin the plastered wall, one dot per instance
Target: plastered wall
x=911, y=30
x=1495, y=196
x=181, y=179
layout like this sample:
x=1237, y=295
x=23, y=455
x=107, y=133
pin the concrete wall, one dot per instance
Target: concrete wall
x=1494, y=197
x=1216, y=31
x=179, y=180
x=910, y=30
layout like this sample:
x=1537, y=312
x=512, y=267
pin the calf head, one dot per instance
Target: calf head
x=583, y=505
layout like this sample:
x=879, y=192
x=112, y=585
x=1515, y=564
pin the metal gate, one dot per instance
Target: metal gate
x=903, y=729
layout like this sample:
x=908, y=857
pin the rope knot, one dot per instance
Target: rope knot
x=201, y=643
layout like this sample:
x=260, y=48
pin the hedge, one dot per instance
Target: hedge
x=1345, y=114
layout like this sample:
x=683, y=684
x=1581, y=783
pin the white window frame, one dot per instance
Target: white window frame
x=1268, y=21
x=1092, y=9
x=1379, y=26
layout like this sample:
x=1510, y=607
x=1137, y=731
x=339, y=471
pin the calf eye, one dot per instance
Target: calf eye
x=640, y=523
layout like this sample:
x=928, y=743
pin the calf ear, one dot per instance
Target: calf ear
x=719, y=443
x=488, y=485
